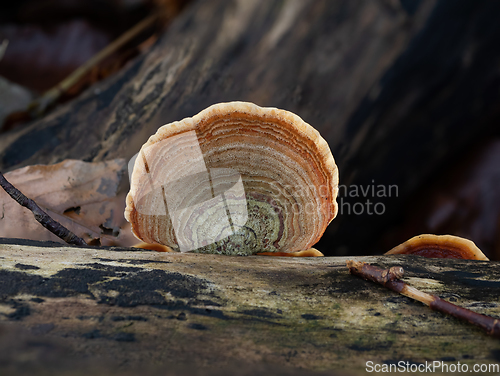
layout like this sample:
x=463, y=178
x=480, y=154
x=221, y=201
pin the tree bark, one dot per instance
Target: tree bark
x=397, y=88
x=127, y=309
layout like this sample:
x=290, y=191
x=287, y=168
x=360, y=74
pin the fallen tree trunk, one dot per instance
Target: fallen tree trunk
x=396, y=89
x=128, y=309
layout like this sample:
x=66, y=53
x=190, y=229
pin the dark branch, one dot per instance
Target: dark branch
x=375, y=274
x=43, y=218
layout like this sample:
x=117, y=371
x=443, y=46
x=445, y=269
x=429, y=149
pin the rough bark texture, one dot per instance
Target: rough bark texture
x=396, y=87
x=65, y=309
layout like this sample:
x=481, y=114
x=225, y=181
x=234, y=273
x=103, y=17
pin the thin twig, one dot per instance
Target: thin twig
x=39, y=106
x=45, y=220
x=390, y=279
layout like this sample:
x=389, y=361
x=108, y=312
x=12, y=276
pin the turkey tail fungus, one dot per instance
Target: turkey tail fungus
x=236, y=179
x=439, y=246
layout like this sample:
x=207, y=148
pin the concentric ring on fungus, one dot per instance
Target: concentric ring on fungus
x=236, y=179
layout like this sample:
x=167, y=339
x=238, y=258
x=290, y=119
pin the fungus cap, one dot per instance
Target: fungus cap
x=234, y=179
x=439, y=246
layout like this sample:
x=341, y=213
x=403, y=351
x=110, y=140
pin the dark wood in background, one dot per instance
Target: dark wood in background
x=398, y=89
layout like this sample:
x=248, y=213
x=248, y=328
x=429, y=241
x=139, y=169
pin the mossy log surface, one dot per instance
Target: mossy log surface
x=143, y=309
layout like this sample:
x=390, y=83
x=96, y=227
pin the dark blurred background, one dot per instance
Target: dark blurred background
x=407, y=93
x=49, y=39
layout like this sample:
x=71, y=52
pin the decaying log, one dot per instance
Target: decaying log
x=397, y=89
x=137, y=309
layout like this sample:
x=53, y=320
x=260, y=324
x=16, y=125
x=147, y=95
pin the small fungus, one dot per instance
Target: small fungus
x=439, y=246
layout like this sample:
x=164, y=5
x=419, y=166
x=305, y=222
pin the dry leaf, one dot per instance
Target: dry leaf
x=87, y=198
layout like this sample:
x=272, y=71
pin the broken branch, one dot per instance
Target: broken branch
x=390, y=279
x=41, y=216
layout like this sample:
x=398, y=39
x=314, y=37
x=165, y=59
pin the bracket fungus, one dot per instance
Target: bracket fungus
x=236, y=179
x=439, y=246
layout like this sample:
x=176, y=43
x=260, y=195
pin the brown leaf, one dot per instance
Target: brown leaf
x=84, y=197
